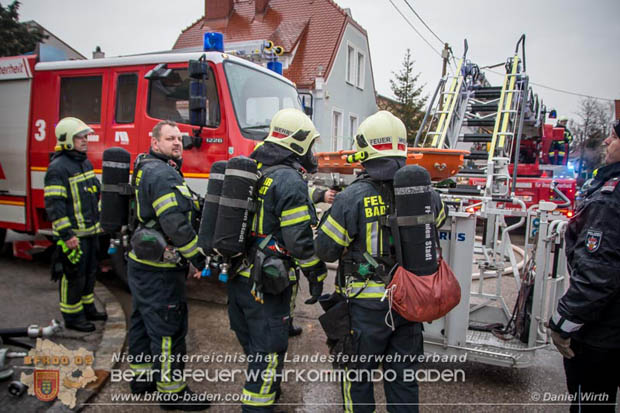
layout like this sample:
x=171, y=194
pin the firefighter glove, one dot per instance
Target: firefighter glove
x=72, y=255
x=562, y=344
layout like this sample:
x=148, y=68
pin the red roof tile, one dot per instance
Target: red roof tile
x=316, y=25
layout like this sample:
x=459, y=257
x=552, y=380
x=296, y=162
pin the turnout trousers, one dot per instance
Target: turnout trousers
x=592, y=378
x=373, y=338
x=158, y=324
x=262, y=331
x=76, y=292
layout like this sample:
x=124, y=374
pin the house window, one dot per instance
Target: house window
x=350, y=75
x=80, y=97
x=336, y=130
x=126, y=88
x=360, y=69
x=352, y=130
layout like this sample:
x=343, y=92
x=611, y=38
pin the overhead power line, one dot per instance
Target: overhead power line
x=559, y=90
x=416, y=30
x=423, y=22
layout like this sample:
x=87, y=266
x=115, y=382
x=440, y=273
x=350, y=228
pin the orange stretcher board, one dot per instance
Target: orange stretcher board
x=440, y=163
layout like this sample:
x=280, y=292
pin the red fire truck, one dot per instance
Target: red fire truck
x=537, y=174
x=122, y=99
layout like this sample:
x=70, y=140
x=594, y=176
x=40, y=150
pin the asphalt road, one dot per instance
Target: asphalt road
x=483, y=388
x=480, y=387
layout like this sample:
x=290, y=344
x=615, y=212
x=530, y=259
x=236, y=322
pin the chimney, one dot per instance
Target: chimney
x=218, y=9
x=260, y=6
x=98, y=54
x=617, y=102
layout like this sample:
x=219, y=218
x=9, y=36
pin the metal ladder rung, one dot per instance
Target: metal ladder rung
x=508, y=111
x=434, y=133
x=505, y=133
x=442, y=111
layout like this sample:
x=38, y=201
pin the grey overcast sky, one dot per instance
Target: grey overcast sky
x=571, y=45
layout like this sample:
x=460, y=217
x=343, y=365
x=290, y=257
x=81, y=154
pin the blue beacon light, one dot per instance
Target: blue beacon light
x=213, y=42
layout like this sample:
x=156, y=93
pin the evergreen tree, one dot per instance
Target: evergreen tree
x=16, y=37
x=409, y=96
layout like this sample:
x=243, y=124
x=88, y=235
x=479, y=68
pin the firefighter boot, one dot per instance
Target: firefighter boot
x=185, y=400
x=94, y=315
x=293, y=330
x=141, y=387
x=80, y=324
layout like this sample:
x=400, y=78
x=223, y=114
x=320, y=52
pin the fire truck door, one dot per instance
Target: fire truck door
x=123, y=126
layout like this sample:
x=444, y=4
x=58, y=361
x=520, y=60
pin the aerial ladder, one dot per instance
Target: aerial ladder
x=445, y=115
x=467, y=112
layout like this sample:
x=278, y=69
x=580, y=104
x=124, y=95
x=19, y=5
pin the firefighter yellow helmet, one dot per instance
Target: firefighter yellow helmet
x=292, y=129
x=379, y=136
x=67, y=129
x=563, y=119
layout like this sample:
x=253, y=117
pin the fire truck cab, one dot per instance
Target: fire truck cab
x=121, y=99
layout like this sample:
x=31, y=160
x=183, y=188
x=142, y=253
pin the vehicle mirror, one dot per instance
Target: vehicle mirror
x=307, y=102
x=197, y=102
x=190, y=142
x=198, y=69
x=553, y=114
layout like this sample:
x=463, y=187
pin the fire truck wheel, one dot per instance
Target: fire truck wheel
x=2, y=236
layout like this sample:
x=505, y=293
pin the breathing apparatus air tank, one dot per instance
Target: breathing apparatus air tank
x=115, y=194
x=210, y=209
x=415, y=220
x=235, y=207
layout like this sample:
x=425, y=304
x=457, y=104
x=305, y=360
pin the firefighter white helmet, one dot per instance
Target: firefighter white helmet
x=379, y=136
x=292, y=129
x=67, y=129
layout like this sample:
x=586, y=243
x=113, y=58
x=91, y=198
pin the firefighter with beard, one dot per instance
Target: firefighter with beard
x=585, y=327
x=354, y=233
x=71, y=201
x=282, y=241
x=162, y=245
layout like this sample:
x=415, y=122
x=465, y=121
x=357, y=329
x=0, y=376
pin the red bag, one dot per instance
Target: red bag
x=424, y=297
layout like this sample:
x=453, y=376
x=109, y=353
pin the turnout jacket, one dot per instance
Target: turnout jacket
x=590, y=310
x=71, y=195
x=286, y=212
x=352, y=226
x=165, y=203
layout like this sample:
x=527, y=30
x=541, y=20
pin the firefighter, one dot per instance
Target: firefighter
x=317, y=196
x=353, y=229
x=71, y=202
x=559, y=149
x=585, y=327
x=162, y=245
x=283, y=237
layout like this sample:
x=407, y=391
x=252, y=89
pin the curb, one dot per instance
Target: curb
x=112, y=342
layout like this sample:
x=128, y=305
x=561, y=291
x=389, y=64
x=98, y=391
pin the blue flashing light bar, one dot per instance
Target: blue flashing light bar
x=275, y=67
x=213, y=42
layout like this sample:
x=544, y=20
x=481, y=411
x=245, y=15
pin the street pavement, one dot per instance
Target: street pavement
x=484, y=389
x=29, y=297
